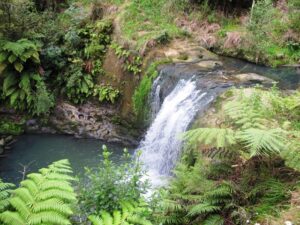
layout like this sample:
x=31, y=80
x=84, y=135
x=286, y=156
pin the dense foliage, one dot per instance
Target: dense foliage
x=236, y=172
x=49, y=50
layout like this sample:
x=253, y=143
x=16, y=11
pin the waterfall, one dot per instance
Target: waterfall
x=162, y=143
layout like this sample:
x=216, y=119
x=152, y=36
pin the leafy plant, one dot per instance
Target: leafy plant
x=130, y=214
x=193, y=198
x=106, y=93
x=23, y=88
x=79, y=85
x=131, y=63
x=26, y=91
x=17, y=54
x=9, y=126
x=109, y=184
x=43, y=198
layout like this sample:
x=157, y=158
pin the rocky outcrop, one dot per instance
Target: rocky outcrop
x=253, y=78
x=5, y=142
x=87, y=121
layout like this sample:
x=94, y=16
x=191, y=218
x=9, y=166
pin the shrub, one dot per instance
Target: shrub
x=109, y=184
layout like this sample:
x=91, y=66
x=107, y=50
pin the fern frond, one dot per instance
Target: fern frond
x=213, y=137
x=43, y=198
x=213, y=220
x=244, y=115
x=5, y=190
x=95, y=220
x=291, y=154
x=263, y=142
x=12, y=218
x=203, y=208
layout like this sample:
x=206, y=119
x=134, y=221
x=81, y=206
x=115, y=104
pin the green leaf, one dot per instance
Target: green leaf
x=12, y=58
x=18, y=66
x=9, y=81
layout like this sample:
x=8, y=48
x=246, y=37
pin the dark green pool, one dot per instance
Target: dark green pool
x=38, y=151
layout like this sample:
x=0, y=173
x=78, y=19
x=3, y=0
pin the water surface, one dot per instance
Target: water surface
x=37, y=151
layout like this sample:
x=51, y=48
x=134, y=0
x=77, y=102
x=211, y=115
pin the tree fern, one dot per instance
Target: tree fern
x=5, y=189
x=216, y=137
x=244, y=115
x=43, y=198
x=263, y=142
x=128, y=216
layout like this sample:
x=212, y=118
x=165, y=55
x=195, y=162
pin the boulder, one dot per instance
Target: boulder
x=253, y=78
x=210, y=64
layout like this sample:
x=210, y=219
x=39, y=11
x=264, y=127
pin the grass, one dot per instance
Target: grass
x=143, y=20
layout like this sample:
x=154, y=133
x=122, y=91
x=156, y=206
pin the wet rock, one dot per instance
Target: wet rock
x=2, y=142
x=252, y=78
x=5, y=142
x=1, y=150
x=210, y=64
x=90, y=121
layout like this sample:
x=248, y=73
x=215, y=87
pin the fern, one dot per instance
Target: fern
x=291, y=153
x=5, y=189
x=214, y=220
x=263, y=142
x=17, y=54
x=216, y=137
x=128, y=215
x=43, y=198
x=244, y=115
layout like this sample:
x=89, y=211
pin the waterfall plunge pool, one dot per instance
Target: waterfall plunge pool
x=39, y=150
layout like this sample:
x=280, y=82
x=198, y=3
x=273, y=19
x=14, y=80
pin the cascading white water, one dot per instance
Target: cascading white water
x=162, y=144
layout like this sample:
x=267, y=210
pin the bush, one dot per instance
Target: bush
x=109, y=184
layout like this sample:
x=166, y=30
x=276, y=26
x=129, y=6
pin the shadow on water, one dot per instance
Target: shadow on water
x=37, y=151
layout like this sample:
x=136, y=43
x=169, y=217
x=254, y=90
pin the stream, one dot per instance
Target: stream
x=180, y=93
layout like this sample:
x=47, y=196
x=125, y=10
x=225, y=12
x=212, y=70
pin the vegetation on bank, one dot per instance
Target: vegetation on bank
x=245, y=167
x=265, y=32
x=56, y=49
x=52, y=55
x=142, y=92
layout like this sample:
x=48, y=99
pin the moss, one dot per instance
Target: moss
x=141, y=93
